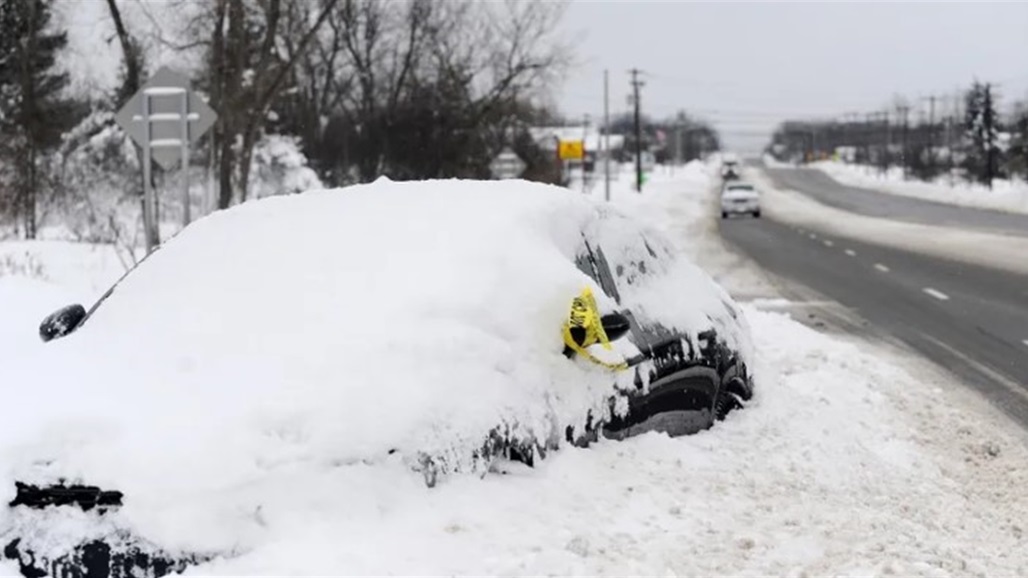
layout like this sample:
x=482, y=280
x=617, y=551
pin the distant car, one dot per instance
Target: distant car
x=415, y=324
x=739, y=198
x=729, y=166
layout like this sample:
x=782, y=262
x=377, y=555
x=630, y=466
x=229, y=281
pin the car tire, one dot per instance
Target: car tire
x=756, y=214
x=724, y=214
x=727, y=401
x=734, y=392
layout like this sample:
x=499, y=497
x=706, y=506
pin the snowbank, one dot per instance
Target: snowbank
x=1005, y=195
x=38, y=277
x=292, y=338
x=851, y=460
x=843, y=465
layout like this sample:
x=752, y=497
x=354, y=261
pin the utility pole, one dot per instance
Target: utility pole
x=903, y=111
x=887, y=154
x=585, y=151
x=949, y=148
x=636, y=85
x=868, y=136
x=931, y=134
x=989, y=121
x=851, y=135
x=606, y=135
x=680, y=119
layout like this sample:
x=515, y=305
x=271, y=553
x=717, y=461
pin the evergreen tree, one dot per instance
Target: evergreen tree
x=33, y=113
x=982, y=130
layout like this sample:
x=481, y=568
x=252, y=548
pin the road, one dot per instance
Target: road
x=822, y=188
x=970, y=319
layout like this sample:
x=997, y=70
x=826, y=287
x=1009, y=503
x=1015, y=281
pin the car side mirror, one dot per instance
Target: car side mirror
x=61, y=322
x=615, y=325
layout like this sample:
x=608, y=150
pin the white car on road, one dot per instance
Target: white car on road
x=738, y=197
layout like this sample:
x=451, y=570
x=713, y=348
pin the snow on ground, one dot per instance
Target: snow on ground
x=851, y=460
x=1005, y=195
x=844, y=465
x=39, y=277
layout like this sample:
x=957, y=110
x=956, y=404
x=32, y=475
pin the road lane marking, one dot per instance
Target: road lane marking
x=936, y=293
x=851, y=252
x=881, y=268
x=1015, y=388
x=813, y=236
x=1025, y=342
x=829, y=244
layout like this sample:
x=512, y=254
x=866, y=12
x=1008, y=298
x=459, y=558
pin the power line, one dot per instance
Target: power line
x=636, y=85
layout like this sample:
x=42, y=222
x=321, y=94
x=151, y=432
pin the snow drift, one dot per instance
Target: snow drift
x=287, y=338
x=853, y=459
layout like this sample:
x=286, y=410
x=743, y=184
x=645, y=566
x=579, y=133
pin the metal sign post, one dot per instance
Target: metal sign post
x=164, y=118
x=184, y=139
x=149, y=216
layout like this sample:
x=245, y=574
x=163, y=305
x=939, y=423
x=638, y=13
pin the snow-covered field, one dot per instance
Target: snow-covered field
x=851, y=460
x=1005, y=195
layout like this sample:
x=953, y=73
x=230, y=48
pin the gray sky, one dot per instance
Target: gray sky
x=745, y=66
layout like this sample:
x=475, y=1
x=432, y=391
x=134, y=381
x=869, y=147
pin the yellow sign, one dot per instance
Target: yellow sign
x=571, y=150
x=584, y=319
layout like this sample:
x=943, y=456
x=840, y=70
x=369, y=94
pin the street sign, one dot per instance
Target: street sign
x=507, y=165
x=167, y=92
x=164, y=118
x=571, y=150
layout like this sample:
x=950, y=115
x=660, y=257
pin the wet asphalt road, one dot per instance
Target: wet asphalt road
x=970, y=319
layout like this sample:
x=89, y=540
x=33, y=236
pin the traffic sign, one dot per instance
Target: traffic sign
x=507, y=165
x=164, y=118
x=571, y=150
x=169, y=98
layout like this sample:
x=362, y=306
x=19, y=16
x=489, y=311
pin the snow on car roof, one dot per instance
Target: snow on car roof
x=326, y=329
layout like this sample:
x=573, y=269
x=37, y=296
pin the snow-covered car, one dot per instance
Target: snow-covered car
x=428, y=326
x=739, y=198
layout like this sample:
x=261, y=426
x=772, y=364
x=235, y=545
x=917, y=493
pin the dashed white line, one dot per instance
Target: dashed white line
x=813, y=236
x=936, y=293
x=829, y=244
x=851, y=252
x=881, y=268
x=1025, y=342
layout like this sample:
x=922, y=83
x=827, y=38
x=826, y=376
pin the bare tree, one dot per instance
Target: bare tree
x=247, y=73
x=132, y=55
x=416, y=89
x=436, y=86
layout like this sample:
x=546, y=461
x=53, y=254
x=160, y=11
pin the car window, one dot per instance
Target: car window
x=740, y=188
x=627, y=267
x=639, y=262
x=592, y=261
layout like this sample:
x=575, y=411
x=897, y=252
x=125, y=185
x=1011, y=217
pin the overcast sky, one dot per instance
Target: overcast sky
x=745, y=66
